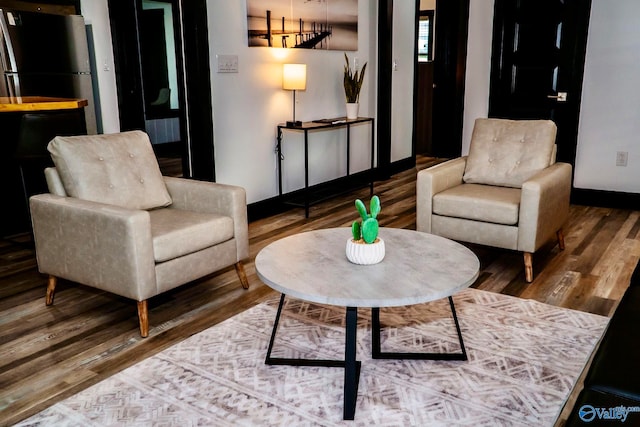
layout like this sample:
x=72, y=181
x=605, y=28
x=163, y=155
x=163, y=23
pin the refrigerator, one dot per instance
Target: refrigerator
x=44, y=54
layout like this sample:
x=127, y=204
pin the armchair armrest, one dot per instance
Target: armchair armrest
x=544, y=206
x=211, y=197
x=432, y=181
x=103, y=246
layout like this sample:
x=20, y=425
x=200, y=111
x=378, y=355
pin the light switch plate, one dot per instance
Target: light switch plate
x=621, y=158
x=227, y=63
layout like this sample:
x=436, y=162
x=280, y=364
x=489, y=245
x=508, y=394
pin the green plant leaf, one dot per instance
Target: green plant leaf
x=370, y=230
x=362, y=209
x=352, y=81
x=355, y=230
x=374, y=206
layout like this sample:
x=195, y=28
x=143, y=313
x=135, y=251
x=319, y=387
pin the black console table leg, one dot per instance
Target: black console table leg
x=376, y=353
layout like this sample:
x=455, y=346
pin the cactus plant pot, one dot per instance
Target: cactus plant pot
x=362, y=253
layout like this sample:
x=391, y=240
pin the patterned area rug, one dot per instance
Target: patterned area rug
x=524, y=359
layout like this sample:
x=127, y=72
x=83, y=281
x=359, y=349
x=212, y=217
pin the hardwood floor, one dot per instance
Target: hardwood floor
x=170, y=165
x=49, y=353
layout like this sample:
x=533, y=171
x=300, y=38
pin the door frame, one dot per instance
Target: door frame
x=451, y=29
x=449, y=70
x=197, y=118
x=385, y=67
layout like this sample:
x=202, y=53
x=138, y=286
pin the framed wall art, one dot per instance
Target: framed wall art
x=303, y=24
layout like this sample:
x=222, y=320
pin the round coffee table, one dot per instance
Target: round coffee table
x=418, y=267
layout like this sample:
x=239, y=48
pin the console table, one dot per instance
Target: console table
x=322, y=125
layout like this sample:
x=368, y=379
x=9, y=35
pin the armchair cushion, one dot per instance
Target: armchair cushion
x=119, y=169
x=176, y=232
x=508, y=152
x=498, y=205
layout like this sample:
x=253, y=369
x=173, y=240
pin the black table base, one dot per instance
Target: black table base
x=376, y=353
x=350, y=364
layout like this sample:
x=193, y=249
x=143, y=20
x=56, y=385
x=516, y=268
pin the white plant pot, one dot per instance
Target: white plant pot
x=352, y=110
x=362, y=253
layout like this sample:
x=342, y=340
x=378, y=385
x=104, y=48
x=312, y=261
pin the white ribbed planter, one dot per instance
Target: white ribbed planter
x=365, y=253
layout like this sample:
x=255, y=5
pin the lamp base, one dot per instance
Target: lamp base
x=293, y=124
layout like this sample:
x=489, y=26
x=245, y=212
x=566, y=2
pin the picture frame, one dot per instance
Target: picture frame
x=303, y=24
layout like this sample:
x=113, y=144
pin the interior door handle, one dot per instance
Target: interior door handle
x=560, y=97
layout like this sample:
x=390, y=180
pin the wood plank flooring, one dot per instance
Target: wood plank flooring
x=49, y=353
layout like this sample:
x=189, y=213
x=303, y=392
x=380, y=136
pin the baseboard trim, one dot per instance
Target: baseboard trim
x=265, y=208
x=402, y=165
x=279, y=204
x=607, y=199
x=579, y=196
x=276, y=205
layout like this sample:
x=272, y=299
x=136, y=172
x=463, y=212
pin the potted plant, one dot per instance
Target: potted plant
x=352, y=84
x=365, y=247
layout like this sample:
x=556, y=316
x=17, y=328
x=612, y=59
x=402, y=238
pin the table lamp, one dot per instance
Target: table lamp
x=294, y=77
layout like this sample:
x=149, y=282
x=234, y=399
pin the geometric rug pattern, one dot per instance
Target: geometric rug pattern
x=524, y=359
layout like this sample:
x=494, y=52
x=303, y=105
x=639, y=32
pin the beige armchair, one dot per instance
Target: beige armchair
x=508, y=192
x=113, y=222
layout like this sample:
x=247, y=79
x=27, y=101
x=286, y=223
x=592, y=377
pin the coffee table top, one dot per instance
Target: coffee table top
x=418, y=267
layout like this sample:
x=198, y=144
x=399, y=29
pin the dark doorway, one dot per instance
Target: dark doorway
x=450, y=53
x=450, y=64
x=162, y=68
x=156, y=63
x=537, y=64
x=424, y=82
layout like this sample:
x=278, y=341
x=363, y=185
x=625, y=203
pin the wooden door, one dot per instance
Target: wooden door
x=449, y=69
x=538, y=62
x=424, y=109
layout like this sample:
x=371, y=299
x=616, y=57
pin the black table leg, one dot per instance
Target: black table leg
x=376, y=353
x=350, y=364
x=269, y=359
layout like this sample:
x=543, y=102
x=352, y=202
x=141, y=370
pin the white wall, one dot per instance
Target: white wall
x=404, y=15
x=96, y=13
x=249, y=104
x=609, y=118
x=476, y=102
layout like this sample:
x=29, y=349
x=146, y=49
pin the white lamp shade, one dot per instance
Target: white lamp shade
x=294, y=76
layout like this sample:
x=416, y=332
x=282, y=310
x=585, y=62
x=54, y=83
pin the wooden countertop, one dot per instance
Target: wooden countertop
x=39, y=103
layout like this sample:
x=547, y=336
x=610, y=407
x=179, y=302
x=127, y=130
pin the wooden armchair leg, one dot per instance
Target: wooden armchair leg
x=528, y=267
x=51, y=289
x=560, y=235
x=242, y=275
x=143, y=315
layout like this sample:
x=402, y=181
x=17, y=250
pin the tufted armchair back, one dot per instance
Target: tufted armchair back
x=508, y=152
x=118, y=169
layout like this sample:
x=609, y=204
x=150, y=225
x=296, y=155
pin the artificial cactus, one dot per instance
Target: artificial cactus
x=366, y=228
x=355, y=230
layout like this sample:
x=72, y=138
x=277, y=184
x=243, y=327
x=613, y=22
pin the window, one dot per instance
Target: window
x=425, y=36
